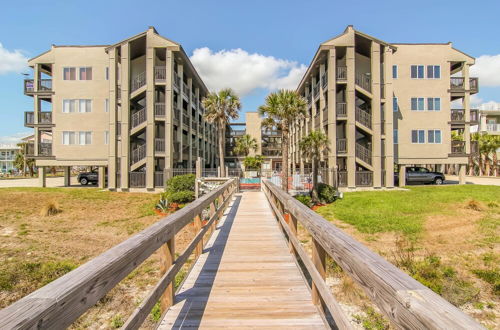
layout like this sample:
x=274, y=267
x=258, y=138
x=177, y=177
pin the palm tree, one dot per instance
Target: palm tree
x=21, y=162
x=475, y=137
x=495, y=145
x=282, y=108
x=489, y=146
x=244, y=144
x=312, y=146
x=253, y=163
x=219, y=109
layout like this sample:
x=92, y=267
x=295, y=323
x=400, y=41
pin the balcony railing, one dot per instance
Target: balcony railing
x=364, y=81
x=363, y=153
x=324, y=80
x=341, y=73
x=317, y=121
x=341, y=146
x=185, y=120
x=341, y=110
x=458, y=84
x=316, y=90
x=160, y=73
x=342, y=179
x=159, y=144
x=159, y=109
x=44, y=85
x=137, y=179
x=364, y=178
x=177, y=81
x=139, y=117
x=138, y=81
x=177, y=114
x=457, y=147
x=494, y=128
x=364, y=117
x=474, y=115
x=474, y=147
x=325, y=115
x=185, y=89
x=138, y=154
x=44, y=149
x=159, y=181
x=457, y=114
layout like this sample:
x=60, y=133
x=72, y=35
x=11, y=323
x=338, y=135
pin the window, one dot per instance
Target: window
x=69, y=106
x=434, y=136
x=85, y=105
x=85, y=138
x=433, y=103
x=395, y=134
x=394, y=71
x=417, y=72
x=69, y=73
x=106, y=137
x=433, y=72
x=69, y=138
x=107, y=73
x=395, y=104
x=106, y=105
x=417, y=104
x=86, y=73
x=418, y=136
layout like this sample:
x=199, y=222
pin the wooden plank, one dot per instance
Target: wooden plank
x=167, y=256
x=406, y=302
x=62, y=301
x=246, y=277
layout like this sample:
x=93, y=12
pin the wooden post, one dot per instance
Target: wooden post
x=212, y=212
x=198, y=178
x=197, y=228
x=319, y=260
x=167, y=258
x=292, y=223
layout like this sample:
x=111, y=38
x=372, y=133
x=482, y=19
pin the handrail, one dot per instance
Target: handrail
x=405, y=301
x=61, y=302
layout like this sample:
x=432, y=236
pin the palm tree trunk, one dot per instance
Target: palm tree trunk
x=314, y=194
x=487, y=164
x=284, y=160
x=221, y=152
x=495, y=163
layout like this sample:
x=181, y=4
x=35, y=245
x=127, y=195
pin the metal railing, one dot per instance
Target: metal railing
x=364, y=81
x=342, y=177
x=341, y=73
x=458, y=84
x=324, y=80
x=363, y=153
x=474, y=115
x=138, y=154
x=44, y=85
x=363, y=117
x=493, y=128
x=159, y=144
x=317, y=120
x=316, y=90
x=159, y=179
x=138, y=81
x=341, y=146
x=44, y=149
x=341, y=110
x=159, y=109
x=457, y=114
x=160, y=73
x=364, y=178
x=177, y=80
x=177, y=114
x=325, y=115
x=137, y=179
x=474, y=147
x=458, y=147
x=185, y=120
x=138, y=117
x=43, y=118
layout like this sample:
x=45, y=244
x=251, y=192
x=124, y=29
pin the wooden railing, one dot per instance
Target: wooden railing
x=44, y=85
x=458, y=147
x=363, y=153
x=405, y=301
x=138, y=81
x=159, y=144
x=457, y=114
x=341, y=73
x=137, y=179
x=43, y=117
x=474, y=115
x=159, y=109
x=159, y=180
x=139, y=117
x=341, y=110
x=160, y=73
x=341, y=146
x=138, y=154
x=58, y=304
x=364, y=178
x=364, y=81
x=363, y=117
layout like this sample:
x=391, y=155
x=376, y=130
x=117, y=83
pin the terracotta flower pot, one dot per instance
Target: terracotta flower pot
x=161, y=213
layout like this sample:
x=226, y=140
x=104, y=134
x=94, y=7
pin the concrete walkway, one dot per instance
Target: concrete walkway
x=483, y=180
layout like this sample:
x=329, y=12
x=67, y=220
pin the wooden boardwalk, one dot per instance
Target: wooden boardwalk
x=246, y=277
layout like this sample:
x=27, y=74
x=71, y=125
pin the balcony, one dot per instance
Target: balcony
x=177, y=81
x=44, y=149
x=138, y=154
x=457, y=84
x=341, y=146
x=474, y=116
x=185, y=121
x=139, y=117
x=493, y=128
x=363, y=153
x=324, y=80
x=159, y=181
x=160, y=73
x=364, y=117
x=341, y=73
x=364, y=81
x=159, y=145
x=177, y=115
x=44, y=86
x=317, y=121
x=138, y=81
x=458, y=148
x=316, y=90
x=137, y=179
x=44, y=118
x=458, y=115
x=364, y=178
x=159, y=109
x=341, y=110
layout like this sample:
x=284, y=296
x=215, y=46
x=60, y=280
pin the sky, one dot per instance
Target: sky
x=254, y=47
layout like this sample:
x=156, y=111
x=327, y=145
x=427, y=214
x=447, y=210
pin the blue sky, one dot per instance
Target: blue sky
x=276, y=38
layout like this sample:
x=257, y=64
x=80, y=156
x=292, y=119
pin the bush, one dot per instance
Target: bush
x=51, y=208
x=326, y=193
x=181, y=197
x=181, y=183
x=304, y=199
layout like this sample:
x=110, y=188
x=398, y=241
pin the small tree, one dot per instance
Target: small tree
x=21, y=162
x=219, y=109
x=253, y=163
x=312, y=146
x=244, y=144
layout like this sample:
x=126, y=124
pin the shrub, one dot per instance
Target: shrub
x=117, y=321
x=326, y=193
x=181, y=183
x=162, y=205
x=51, y=208
x=474, y=205
x=181, y=197
x=304, y=199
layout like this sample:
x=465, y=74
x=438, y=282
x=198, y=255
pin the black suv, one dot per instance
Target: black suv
x=419, y=175
x=88, y=177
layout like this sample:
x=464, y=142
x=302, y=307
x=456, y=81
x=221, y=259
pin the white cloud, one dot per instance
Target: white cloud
x=487, y=68
x=14, y=138
x=12, y=61
x=245, y=72
x=491, y=105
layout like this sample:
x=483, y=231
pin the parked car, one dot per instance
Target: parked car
x=88, y=177
x=420, y=175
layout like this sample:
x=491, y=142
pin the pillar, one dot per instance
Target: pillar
x=150, y=115
x=332, y=114
x=42, y=176
x=376, y=116
x=125, y=143
x=461, y=174
x=113, y=121
x=67, y=176
x=389, y=120
x=351, y=117
x=102, y=177
x=402, y=175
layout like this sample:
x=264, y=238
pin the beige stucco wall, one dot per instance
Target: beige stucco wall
x=253, y=128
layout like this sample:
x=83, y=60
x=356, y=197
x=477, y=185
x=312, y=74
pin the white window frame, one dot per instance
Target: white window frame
x=395, y=66
x=418, y=136
x=397, y=104
x=423, y=73
x=417, y=98
x=68, y=134
x=69, y=67
x=88, y=105
x=434, y=136
x=106, y=105
x=106, y=137
x=87, y=138
x=91, y=73
x=70, y=102
x=433, y=103
x=433, y=71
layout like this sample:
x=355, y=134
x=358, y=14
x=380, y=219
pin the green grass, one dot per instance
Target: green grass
x=404, y=211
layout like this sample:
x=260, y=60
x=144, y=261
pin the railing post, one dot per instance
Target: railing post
x=319, y=260
x=292, y=223
x=197, y=228
x=212, y=212
x=167, y=258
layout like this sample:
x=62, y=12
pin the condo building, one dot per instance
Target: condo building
x=132, y=109
x=385, y=106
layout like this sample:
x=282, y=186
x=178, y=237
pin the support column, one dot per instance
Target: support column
x=102, y=177
x=169, y=113
x=351, y=117
x=42, y=176
x=402, y=175
x=331, y=110
x=67, y=176
x=376, y=116
x=466, y=105
x=125, y=159
x=389, y=119
x=113, y=121
x=150, y=116
x=461, y=174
